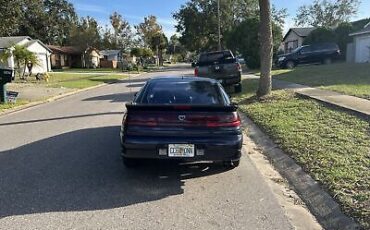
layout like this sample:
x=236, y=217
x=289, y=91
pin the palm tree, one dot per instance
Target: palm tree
x=266, y=48
x=22, y=56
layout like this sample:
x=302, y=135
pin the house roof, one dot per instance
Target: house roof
x=301, y=32
x=66, y=49
x=365, y=30
x=6, y=42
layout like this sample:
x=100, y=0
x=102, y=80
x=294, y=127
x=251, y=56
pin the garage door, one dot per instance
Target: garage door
x=363, y=50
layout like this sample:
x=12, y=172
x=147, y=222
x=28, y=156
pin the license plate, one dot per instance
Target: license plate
x=181, y=150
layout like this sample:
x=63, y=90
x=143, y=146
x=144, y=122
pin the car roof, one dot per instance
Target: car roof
x=215, y=52
x=181, y=79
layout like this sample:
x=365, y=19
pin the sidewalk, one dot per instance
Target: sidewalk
x=356, y=104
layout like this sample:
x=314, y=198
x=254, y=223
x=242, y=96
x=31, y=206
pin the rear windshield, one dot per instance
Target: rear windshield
x=216, y=57
x=192, y=93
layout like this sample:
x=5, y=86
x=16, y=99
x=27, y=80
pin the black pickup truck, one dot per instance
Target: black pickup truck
x=222, y=66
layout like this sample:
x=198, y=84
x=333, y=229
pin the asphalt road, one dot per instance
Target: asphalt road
x=60, y=169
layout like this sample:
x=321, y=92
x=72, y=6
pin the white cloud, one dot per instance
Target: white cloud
x=91, y=8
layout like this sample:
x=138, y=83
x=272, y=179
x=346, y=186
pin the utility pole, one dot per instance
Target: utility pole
x=219, y=25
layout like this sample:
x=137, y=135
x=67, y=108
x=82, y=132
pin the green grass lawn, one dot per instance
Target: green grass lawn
x=332, y=145
x=84, y=70
x=79, y=81
x=66, y=80
x=351, y=79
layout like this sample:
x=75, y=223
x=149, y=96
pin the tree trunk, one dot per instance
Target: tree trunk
x=19, y=71
x=266, y=48
x=24, y=71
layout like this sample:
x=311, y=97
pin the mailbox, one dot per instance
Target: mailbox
x=6, y=76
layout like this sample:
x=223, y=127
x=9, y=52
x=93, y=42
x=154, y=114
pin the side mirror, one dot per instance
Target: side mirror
x=193, y=64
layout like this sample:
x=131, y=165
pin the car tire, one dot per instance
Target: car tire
x=238, y=88
x=290, y=65
x=327, y=61
x=130, y=163
x=231, y=164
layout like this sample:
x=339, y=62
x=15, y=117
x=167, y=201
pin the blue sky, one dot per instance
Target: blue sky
x=135, y=10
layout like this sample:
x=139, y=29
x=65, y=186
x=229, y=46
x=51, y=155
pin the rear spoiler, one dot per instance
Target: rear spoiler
x=220, y=62
x=205, y=108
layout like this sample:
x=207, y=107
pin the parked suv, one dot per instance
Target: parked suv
x=221, y=66
x=316, y=53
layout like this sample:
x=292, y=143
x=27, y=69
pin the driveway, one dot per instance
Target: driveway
x=60, y=168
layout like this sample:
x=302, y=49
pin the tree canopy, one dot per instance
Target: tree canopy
x=148, y=29
x=47, y=20
x=85, y=33
x=326, y=13
x=120, y=36
x=198, y=24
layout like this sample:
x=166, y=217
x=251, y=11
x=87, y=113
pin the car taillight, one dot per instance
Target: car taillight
x=196, y=72
x=141, y=121
x=238, y=67
x=229, y=120
x=185, y=119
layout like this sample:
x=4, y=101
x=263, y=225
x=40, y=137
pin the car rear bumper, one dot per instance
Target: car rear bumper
x=206, y=148
x=231, y=80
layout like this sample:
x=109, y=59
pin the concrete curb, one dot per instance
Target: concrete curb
x=319, y=202
x=54, y=98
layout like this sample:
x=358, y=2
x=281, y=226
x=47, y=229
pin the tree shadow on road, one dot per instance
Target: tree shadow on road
x=82, y=170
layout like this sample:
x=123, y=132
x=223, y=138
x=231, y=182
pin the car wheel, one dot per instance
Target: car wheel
x=238, y=88
x=290, y=65
x=231, y=164
x=327, y=61
x=130, y=163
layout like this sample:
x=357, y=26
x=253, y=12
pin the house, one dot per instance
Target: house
x=64, y=57
x=294, y=38
x=110, y=58
x=360, y=46
x=40, y=49
x=91, y=58
x=74, y=57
